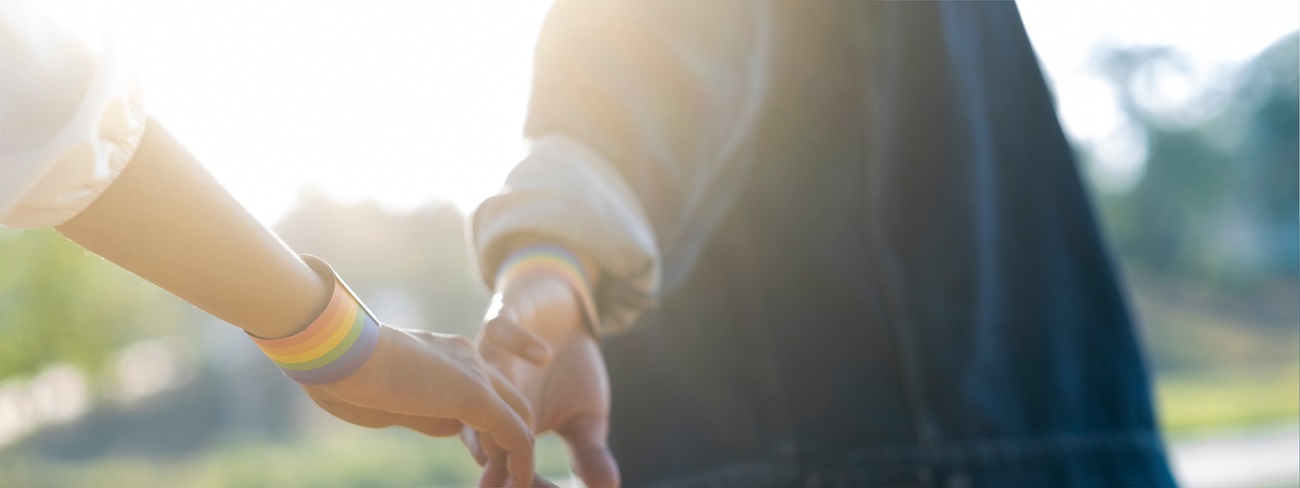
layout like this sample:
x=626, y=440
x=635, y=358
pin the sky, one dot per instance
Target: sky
x=412, y=102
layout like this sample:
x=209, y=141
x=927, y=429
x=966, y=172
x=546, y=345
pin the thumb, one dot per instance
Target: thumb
x=592, y=461
x=502, y=333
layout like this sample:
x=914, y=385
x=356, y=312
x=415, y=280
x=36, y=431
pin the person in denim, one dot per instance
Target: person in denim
x=829, y=244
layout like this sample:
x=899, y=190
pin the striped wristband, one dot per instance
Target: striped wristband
x=334, y=345
x=556, y=261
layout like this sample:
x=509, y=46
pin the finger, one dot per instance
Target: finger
x=497, y=454
x=495, y=472
x=539, y=481
x=470, y=438
x=515, y=399
x=592, y=461
x=496, y=419
x=503, y=332
x=512, y=396
x=491, y=456
x=498, y=477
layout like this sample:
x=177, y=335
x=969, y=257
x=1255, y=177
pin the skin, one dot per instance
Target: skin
x=564, y=380
x=167, y=220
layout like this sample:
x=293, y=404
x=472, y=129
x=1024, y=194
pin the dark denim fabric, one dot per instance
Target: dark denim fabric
x=882, y=266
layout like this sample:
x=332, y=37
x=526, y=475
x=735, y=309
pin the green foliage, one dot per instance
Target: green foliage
x=59, y=303
x=1210, y=240
x=1236, y=397
x=1217, y=202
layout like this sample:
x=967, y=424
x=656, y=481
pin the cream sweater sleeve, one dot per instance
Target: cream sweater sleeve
x=566, y=192
x=70, y=119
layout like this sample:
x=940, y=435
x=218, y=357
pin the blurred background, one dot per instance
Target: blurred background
x=397, y=117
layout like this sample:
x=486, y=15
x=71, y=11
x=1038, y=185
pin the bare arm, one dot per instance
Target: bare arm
x=167, y=220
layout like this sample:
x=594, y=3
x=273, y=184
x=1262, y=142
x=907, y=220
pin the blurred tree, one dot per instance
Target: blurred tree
x=417, y=261
x=1271, y=153
x=1210, y=206
x=59, y=303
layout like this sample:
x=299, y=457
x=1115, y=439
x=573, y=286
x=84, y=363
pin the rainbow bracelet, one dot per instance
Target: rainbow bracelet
x=334, y=345
x=557, y=261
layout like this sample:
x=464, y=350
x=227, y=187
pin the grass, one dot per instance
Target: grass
x=1221, y=399
x=1223, y=360
x=345, y=458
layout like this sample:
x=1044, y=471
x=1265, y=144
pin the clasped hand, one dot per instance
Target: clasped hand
x=535, y=336
x=436, y=384
x=534, y=368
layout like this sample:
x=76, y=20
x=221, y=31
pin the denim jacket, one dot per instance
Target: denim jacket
x=873, y=259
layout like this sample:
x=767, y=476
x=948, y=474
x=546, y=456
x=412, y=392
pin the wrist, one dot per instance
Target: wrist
x=554, y=269
x=300, y=300
x=334, y=345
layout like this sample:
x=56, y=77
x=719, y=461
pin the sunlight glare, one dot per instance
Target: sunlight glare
x=402, y=102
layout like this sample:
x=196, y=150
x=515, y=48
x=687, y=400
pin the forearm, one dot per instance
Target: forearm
x=167, y=220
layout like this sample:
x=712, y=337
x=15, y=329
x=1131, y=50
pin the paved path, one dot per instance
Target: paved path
x=1262, y=457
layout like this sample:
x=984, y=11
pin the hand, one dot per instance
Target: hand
x=169, y=221
x=535, y=335
x=436, y=384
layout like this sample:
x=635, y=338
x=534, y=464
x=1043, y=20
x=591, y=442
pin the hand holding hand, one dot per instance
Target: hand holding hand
x=435, y=384
x=535, y=335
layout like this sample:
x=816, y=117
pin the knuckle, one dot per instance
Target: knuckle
x=482, y=394
x=461, y=342
x=491, y=354
x=424, y=336
x=525, y=412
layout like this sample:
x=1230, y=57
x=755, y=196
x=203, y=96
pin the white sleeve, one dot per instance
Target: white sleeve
x=70, y=119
